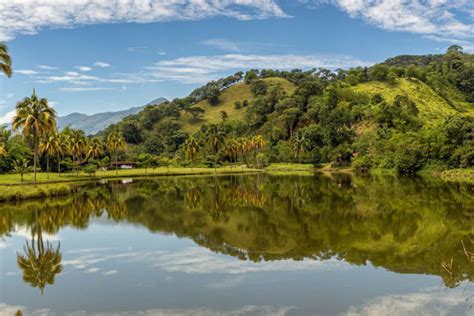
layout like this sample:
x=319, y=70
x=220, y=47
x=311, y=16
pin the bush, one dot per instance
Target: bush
x=90, y=169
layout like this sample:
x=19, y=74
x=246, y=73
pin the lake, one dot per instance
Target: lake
x=242, y=245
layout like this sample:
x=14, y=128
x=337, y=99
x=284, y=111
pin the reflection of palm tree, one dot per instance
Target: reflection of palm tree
x=41, y=262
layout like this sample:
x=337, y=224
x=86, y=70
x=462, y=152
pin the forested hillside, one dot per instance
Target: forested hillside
x=407, y=113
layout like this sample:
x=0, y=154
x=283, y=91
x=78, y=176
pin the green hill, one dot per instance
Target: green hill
x=228, y=97
x=431, y=105
x=406, y=114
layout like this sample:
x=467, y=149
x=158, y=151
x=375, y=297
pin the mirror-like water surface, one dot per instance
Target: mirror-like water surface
x=245, y=245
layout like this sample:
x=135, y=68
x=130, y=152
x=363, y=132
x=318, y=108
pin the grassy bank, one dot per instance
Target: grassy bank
x=13, y=189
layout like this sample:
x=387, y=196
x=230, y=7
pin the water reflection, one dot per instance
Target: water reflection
x=41, y=262
x=406, y=226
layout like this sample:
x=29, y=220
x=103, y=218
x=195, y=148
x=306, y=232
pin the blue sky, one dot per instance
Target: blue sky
x=93, y=56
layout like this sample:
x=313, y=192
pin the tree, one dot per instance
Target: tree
x=49, y=146
x=3, y=151
x=76, y=144
x=21, y=167
x=144, y=161
x=224, y=115
x=114, y=143
x=36, y=119
x=5, y=60
x=165, y=161
x=215, y=138
x=192, y=150
x=195, y=111
x=258, y=142
x=95, y=149
x=299, y=145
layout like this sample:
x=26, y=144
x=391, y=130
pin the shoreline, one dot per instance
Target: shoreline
x=13, y=190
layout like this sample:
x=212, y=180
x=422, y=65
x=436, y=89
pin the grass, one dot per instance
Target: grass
x=432, y=106
x=228, y=97
x=12, y=188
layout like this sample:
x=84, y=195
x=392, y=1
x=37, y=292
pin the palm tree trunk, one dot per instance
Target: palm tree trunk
x=59, y=166
x=35, y=158
x=116, y=163
x=47, y=166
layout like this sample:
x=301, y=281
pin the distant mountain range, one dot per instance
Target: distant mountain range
x=92, y=124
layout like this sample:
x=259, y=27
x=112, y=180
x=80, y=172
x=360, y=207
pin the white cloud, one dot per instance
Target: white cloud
x=426, y=302
x=83, y=68
x=222, y=44
x=7, y=118
x=83, y=89
x=26, y=72
x=29, y=17
x=435, y=17
x=46, y=67
x=201, y=69
x=101, y=64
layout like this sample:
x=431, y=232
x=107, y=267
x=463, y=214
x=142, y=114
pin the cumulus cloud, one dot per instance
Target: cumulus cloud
x=430, y=17
x=46, y=67
x=201, y=69
x=83, y=68
x=101, y=64
x=26, y=72
x=29, y=17
x=7, y=118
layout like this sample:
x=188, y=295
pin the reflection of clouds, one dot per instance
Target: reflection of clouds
x=25, y=232
x=227, y=283
x=426, y=302
x=3, y=244
x=198, y=260
x=110, y=272
x=244, y=310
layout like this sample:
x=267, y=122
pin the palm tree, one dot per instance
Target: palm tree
x=21, y=167
x=3, y=151
x=215, y=138
x=114, y=143
x=299, y=145
x=231, y=150
x=5, y=60
x=258, y=142
x=192, y=150
x=41, y=262
x=95, y=149
x=50, y=146
x=76, y=144
x=36, y=119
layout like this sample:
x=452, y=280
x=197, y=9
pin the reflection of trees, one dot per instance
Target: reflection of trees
x=408, y=226
x=40, y=262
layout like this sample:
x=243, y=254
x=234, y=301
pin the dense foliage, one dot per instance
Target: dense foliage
x=408, y=113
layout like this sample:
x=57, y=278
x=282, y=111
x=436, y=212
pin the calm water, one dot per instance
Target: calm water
x=246, y=245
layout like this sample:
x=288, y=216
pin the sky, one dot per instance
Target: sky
x=92, y=56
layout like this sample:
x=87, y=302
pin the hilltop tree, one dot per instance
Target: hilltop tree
x=36, y=119
x=195, y=111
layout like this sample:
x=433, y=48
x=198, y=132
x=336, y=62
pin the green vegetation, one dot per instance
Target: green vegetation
x=409, y=114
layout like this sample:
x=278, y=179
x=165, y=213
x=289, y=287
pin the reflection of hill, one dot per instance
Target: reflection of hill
x=408, y=226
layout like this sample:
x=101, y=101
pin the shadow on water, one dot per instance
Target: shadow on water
x=403, y=225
